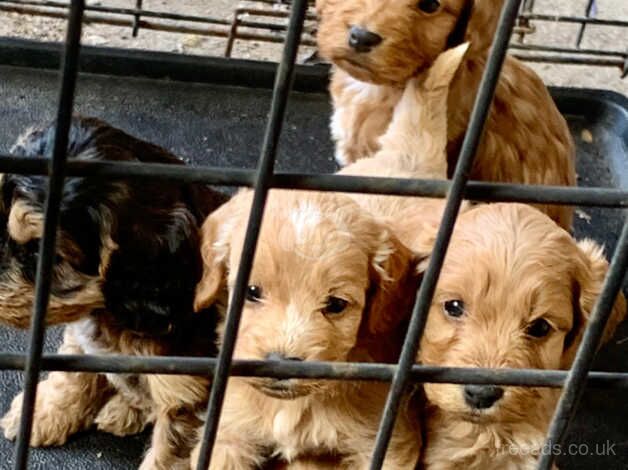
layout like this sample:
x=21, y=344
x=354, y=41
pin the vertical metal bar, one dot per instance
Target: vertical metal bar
x=47, y=245
x=136, y=18
x=233, y=32
x=575, y=384
x=283, y=84
x=527, y=6
x=590, y=6
x=426, y=291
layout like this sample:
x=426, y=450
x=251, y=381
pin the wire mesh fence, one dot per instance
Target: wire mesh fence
x=262, y=180
x=265, y=21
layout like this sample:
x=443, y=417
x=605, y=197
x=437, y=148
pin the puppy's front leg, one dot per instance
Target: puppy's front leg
x=178, y=400
x=67, y=402
x=239, y=443
x=231, y=452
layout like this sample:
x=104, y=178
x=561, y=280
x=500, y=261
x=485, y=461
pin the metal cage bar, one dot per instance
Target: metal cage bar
x=401, y=374
x=47, y=249
x=470, y=144
x=283, y=84
x=312, y=370
x=474, y=190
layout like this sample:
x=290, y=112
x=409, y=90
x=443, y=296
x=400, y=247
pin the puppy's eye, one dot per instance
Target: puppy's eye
x=454, y=308
x=538, y=328
x=429, y=6
x=253, y=293
x=334, y=305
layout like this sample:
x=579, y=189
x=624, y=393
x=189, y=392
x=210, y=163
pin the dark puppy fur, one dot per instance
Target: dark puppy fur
x=128, y=262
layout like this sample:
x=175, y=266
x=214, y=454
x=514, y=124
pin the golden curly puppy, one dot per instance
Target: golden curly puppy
x=329, y=283
x=123, y=282
x=377, y=45
x=515, y=295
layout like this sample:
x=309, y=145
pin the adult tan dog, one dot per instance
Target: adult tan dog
x=517, y=295
x=377, y=45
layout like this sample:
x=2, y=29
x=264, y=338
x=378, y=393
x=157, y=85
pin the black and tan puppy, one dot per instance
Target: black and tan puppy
x=127, y=265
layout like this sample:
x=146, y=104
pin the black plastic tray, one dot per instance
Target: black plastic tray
x=213, y=111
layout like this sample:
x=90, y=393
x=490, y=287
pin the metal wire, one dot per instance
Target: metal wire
x=47, y=247
x=241, y=27
x=474, y=190
x=470, y=143
x=262, y=180
x=310, y=370
x=283, y=83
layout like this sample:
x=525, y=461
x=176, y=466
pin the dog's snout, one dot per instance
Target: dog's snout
x=363, y=40
x=482, y=396
x=275, y=356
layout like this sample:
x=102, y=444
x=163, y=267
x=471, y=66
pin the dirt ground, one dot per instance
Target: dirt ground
x=52, y=29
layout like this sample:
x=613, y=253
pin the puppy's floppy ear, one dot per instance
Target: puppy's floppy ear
x=482, y=17
x=216, y=235
x=394, y=282
x=589, y=278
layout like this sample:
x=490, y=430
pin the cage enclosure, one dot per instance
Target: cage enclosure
x=214, y=111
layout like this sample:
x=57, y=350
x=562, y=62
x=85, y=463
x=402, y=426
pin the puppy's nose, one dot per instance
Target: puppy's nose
x=363, y=40
x=275, y=356
x=482, y=396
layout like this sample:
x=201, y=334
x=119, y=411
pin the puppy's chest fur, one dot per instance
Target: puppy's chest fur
x=454, y=444
x=96, y=337
x=304, y=426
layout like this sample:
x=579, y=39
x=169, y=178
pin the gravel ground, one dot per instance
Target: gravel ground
x=548, y=33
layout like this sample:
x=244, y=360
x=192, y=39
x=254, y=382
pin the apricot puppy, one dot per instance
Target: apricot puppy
x=328, y=283
x=378, y=45
x=516, y=296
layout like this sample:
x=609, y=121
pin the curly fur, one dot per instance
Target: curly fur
x=366, y=86
x=311, y=246
x=522, y=269
x=124, y=280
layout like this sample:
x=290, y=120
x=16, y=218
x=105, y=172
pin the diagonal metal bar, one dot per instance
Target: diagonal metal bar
x=47, y=245
x=576, y=379
x=137, y=17
x=426, y=291
x=591, y=7
x=283, y=84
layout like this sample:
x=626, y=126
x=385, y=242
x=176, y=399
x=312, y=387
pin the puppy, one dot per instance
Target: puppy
x=124, y=280
x=378, y=45
x=516, y=296
x=332, y=282
x=329, y=283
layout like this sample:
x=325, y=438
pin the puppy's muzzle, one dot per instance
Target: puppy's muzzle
x=275, y=356
x=281, y=388
x=363, y=40
x=481, y=397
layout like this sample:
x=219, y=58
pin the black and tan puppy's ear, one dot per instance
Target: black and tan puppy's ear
x=590, y=272
x=216, y=236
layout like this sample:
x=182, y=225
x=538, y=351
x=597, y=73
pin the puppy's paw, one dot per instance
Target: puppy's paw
x=51, y=426
x=153, y=462
x=226, y=458
x=343, y=158
x=120, y=418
